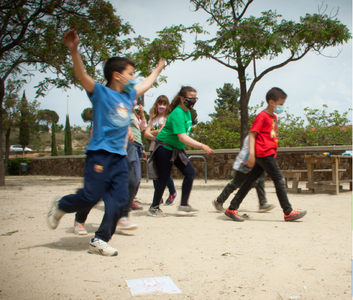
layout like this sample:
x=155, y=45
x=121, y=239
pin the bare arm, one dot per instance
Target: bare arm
x=251, y=158
x=185, y=139
x=71, y=41
x=147, y=83
x=148, y=133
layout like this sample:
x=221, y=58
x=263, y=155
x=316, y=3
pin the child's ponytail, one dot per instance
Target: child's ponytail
x=176, y=101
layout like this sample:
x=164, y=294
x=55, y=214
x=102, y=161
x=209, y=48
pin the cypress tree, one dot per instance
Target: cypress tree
x=68, y=145
x=24, y=122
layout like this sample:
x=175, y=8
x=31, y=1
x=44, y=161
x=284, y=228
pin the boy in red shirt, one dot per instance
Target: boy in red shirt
x=263, y=144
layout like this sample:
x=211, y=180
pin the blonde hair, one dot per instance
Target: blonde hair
x=176, y=101
x=162, y=99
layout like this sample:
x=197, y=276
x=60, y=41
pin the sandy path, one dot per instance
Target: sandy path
x=208, y=256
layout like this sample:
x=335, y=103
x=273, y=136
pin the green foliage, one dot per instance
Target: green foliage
x=223, y=131
x=87, y=115
x=67, y=143
x=24, y=122
x=47, y=116
x=193, y=117
x=240, y=42
x=322, y=129
x=228, y=98
x=14, y=165
x=54, y=150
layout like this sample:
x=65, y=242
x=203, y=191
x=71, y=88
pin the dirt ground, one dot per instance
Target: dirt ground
x=207, y=256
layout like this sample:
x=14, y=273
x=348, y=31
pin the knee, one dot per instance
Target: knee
x=191, y=173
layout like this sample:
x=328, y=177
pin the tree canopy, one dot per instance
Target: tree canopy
x=32, y=33
x=241, y=41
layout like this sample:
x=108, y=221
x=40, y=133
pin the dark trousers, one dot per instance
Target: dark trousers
x=106, y=178
x=170, y=185
x=269, y=164
x=164, y=169
x=237, y=181
x=81, y=216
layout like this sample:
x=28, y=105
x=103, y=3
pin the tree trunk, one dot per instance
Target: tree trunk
x=244, y=100
x=7, y=150
x=2, y=170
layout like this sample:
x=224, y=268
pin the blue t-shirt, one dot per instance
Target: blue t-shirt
x=111, y=119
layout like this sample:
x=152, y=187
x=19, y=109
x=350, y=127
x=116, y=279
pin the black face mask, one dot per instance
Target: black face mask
x=190, y=102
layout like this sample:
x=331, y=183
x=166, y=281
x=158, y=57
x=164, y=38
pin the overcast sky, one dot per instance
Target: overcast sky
x=311, y=82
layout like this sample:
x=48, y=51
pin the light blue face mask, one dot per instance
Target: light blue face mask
x=279, y=109
x=128, y=87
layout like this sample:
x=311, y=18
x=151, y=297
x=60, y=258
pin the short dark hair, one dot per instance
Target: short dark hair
x=275, y=94
x=116, y=64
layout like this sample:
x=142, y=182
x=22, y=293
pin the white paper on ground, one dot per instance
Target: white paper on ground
x=152, y=285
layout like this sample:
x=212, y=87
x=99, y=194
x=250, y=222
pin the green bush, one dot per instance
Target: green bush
x=14, y=165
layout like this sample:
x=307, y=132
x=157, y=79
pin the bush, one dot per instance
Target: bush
x=14, y=165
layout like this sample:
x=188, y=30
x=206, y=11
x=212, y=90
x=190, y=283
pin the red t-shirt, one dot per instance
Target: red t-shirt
x=266, y=142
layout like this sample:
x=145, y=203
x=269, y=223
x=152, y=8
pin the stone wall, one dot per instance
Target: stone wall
x=219, y=164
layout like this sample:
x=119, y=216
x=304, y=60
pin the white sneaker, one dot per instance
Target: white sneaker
x=54, y=214
x=79, y=228
x=100, y=247
x=125, y=224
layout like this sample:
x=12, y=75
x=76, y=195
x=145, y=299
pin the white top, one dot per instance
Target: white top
x=156, y=124
x=242, y=158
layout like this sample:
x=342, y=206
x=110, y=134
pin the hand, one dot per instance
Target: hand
x=161, y=63
x=71, y=39
x=208, y=150
x=131, y=137
x=251, y=160
x=144, y=155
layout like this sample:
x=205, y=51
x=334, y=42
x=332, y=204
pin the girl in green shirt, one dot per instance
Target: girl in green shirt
x=169, y=146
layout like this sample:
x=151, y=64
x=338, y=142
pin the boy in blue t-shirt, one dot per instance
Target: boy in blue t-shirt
x=106, y=171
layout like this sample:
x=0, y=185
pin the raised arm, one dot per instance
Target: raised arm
x=71, y=40
x=147, y=83
x=185, y=139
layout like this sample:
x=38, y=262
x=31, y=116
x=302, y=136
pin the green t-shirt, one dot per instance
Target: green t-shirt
x=179, y=121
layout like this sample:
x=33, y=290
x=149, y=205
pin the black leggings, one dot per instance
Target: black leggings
x=164, y=169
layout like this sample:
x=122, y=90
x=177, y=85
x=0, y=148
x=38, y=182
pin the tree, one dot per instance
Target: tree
x=67, y=142
x=193, y=116
x=87, y=116
x=10, y=114
x=24, y=122
x=31, y=35
x=240, y=42
x=54, y=150
x=228, y=98
x=47, y=116
x=223, y=131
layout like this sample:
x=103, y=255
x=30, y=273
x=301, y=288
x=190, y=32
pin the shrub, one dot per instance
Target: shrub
x=14, y=165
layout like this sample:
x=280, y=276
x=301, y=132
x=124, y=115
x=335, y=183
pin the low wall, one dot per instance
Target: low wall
x=219, y=164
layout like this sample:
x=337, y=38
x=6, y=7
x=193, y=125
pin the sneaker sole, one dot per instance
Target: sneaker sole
x=132, y=227
x=261, y=210
x=185, y=213
x=168, y=204
x=50, y=224
x=94, y=250
x=295, y=218
x=81, y=233
x=153, y=215
x=235, y=219
x=214, y=205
